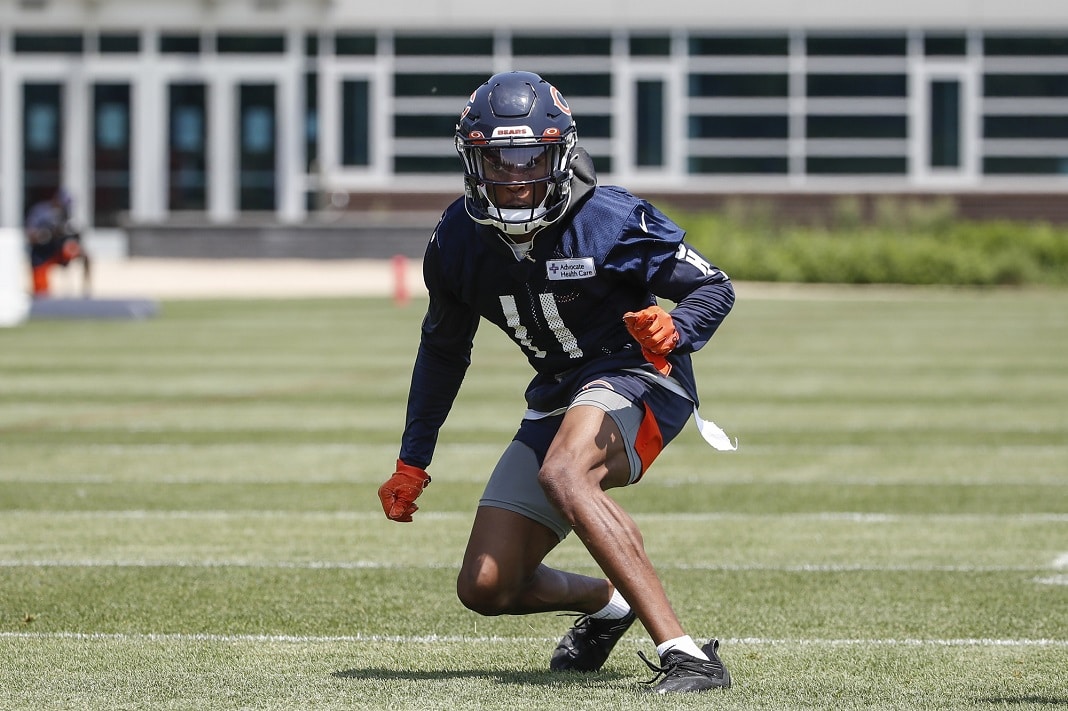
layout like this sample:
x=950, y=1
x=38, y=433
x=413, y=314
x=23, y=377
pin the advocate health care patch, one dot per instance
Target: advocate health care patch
x=560, y=269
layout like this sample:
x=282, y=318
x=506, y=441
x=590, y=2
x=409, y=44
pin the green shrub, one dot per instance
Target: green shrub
x=900, y=243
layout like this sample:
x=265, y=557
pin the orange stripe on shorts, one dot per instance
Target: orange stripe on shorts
x=648, y=442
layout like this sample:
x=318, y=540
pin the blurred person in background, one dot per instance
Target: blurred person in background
x=53, y=241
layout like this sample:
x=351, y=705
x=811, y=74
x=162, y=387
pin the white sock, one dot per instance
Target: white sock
x=617, y=607
x=683, y=644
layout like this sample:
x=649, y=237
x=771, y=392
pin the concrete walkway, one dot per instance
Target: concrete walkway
x=171, y=278
x=259, y=278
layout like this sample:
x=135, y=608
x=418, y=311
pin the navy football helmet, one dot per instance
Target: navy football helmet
x=517, y=141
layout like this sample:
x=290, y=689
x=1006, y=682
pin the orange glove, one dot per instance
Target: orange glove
x=399, y=493
x=654, y=330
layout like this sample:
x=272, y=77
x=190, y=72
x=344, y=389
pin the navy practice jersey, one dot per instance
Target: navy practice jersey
x=562, y=304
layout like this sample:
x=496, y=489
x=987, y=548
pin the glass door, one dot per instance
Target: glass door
x=110, y=153
x=650, y=149
x=42, y=145
x=946, y=125
x=187, y=147
x=257, y=152
x=648, y=120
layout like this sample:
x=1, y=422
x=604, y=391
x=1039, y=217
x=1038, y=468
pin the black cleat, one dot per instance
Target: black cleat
x=587, y=645
x=683, y=673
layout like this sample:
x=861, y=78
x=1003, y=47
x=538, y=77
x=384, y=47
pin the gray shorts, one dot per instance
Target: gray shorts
x=513, y=485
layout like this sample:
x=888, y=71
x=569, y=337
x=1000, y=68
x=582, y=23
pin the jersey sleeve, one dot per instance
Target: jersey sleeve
x=441, y=362
x=653, y=248
x=703, y=296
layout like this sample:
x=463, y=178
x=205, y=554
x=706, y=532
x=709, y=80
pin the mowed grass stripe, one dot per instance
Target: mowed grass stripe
x=394, y=673
x=859, y=604
x=900, y=479
x=731, y=540
x=687, y=462
x=448, y=640
x=748, y=498
x=381, y=565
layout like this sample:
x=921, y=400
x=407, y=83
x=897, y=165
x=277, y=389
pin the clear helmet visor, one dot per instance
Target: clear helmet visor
x=517, y=180
x=515, y=184
x=516, y=164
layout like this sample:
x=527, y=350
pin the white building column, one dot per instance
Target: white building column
x=77, y=110
x=148, y=192
x=10, y=138
x=289, y=123
x=222, y=148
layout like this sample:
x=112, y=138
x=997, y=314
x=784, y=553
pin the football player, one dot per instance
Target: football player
x=571, y=271
x=53, y=241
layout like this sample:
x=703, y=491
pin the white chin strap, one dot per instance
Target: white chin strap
x=518, y=221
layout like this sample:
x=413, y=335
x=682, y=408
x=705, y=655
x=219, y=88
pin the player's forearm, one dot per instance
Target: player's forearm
x=699, y=314
x=436, y=380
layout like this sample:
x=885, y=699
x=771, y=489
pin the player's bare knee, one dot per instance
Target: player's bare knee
x=565, y=488
x=553, y=480
x=483, y=593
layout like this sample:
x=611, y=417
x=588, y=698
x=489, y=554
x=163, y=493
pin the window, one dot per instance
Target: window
x=833, y=165
x=557, y=45
x=844, y=85
x=108, y=43
x=738, y=126
x=458, y=85
x=768, y=165
x=1023, y=46
x=756, y=45
x=354, y=45
x=739, y=85
x=34, y=43
x=945, y=124
x=649, y=124
x=250, y=44
x=111, y=153
x=179, y=44
x=311, y=121
x=42, y=145
x=571, y=85
x=412, y=126
x=355, y=122
x=1036, y=85
x=651, y=46
x=420, y=45
x=856, y=46
x=837, y=126
x=594, y=126
x=945, y=45
x=257, y=143
x=1025, y=165
x=427, y=164
x=187, y=147
x=1025, y=126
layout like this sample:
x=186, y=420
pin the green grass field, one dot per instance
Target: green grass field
x=188, y=516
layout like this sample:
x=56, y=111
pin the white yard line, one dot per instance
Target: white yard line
x=461, y=639
x=668, y=482
x=380, y=565
x=1054, y=580
x=849, y=516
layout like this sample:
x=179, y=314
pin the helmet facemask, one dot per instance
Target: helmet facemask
x=517, y=141
x=518, y=185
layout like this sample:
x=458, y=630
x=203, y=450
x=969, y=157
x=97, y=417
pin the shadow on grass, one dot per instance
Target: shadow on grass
x=546, y=678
